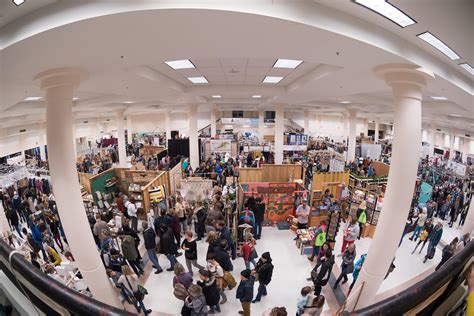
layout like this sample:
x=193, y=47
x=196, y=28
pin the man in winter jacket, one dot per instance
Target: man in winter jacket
x=150, y=245
x=222, y=257
x=433, y=240
x=323, y=276
x=129, y=252
x=264, y=269
x=245, y=291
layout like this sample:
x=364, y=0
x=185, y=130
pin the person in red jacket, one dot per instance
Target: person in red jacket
x=248, y=251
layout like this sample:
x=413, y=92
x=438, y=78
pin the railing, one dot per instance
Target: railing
x=47, y=294
x=426, y=296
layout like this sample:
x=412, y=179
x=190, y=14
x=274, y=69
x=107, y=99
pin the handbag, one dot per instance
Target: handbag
x=180, y=292
x=229, y=279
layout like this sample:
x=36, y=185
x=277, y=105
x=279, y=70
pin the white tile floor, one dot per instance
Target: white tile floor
x=290, y=273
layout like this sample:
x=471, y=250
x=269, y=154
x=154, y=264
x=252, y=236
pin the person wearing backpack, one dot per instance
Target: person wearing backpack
x=134, y=289
x=319, y=240
x=361, y=216
x=424, y=235
x=248, y=251
x=347, y=265
x=433, y=240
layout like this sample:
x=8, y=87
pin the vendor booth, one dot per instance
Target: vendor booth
x=271, y=173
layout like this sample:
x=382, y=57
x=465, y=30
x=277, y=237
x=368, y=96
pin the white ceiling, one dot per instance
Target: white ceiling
x=9, y=12
x=125, y=55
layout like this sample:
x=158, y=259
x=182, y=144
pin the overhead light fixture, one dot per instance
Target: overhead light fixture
x=180, y=64
x=198, y=79
x=455, y=115
x=256, y=96
x=345, y=102
x=287, y=63
x=128, y=102
x=18, y=2
x=216, y=96
x=272, y=79
x=467, y=67
x=438, y=98
x=438, y=44
x=33, y=98
x=75, y=98
x=246, y=126
x=387, y=10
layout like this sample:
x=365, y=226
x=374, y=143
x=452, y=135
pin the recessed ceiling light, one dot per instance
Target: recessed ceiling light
x=272, y=79
x=388, y=10
x=256, y=96
x=18, y=2
x=438, y=98
x=198, y=79
x=345, y=102
x=287, y=63
x=128, y=102
x=75, y=98
x=180, y=64
x=216, y=96
x=468, y=68
x=438, y=44
x=455, y=115
x=33, y=98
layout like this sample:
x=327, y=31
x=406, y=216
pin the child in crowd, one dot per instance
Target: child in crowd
x=303, y=300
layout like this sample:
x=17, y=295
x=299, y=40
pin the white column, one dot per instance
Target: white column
x=452, y=137
x=129, y=130
x=406, y=82
x=469, y=223
x=432, y=139
x=168, y=126
x=366, y=127
x=351, y=147
x=306, y=122
x=59, y=85
x=4, y=227
x=213, y=123
x=122, y=150
x=376, y=135
x=193, y=137
x=279, y=129
x=42, y=144
x=261, y=124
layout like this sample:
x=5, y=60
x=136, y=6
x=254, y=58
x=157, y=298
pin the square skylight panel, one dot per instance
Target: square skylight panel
x=256, y=96
x=287, y=63
x=180, y=64
x=198, y=79
x=438, y=44
x=387, y=10
x=272, y=79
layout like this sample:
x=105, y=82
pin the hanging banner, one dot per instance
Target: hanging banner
x=221, y=146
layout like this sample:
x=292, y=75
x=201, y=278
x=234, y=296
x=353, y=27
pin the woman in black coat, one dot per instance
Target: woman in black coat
x=264, y=269
x=210, y=290
x=168, y=246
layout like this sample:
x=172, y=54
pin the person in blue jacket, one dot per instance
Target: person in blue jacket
x=245, y=291
x=357, y=268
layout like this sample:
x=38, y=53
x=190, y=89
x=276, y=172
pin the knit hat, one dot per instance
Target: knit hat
x=266, y=256
x=246, y=273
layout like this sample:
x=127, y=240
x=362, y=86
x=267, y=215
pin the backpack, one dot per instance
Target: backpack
x=180, y=292
x=229, y=279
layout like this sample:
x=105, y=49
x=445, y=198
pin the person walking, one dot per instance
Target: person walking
x=12, y=216
x=149, y=237
x=323, y=276
x=351, y=232
x=424, y=235
x=168, y=246
x=264, y=270
x=214, y=267
x=259, y=213
x=361, y=217
x=319, y=239
x=433, y=240
x=347, y=265
x=98, y=227
x=420, y=224
x=357, y=268
x=190, y=252
x=448, y=252
x=222, y=256
x=210, y=290
x=244, y=291
x=196, y=301
x=249, y=252
x=130, y=284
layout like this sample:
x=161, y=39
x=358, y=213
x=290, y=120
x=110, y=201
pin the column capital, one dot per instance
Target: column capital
x=57, y=77
x=406, y=80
